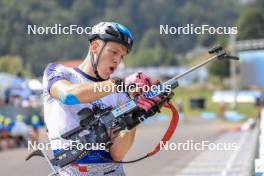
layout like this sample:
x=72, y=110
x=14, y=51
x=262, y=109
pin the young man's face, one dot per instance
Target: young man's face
x=111, y=56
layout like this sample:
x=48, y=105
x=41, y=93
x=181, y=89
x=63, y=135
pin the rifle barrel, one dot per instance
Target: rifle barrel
x=192, y=68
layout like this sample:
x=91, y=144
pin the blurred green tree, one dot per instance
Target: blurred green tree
x=251, y=22
x=220, y=69
x=142, y=17
x=13, y=64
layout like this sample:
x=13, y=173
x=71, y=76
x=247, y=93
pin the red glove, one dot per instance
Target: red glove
x=147, y=104
x=140, y=79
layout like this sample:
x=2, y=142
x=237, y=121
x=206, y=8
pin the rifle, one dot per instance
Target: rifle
x=124, y=117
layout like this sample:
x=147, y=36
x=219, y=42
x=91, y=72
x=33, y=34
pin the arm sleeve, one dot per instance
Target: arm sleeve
x=55, y=72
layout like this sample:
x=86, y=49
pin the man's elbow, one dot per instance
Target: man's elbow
x=117, y=156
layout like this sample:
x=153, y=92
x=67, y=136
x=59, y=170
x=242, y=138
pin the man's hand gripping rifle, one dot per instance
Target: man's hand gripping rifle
x=95, y=123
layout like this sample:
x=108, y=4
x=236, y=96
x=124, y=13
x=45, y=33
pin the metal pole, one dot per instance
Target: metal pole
x=50, y=164
x=233, y=71
x=193, y=68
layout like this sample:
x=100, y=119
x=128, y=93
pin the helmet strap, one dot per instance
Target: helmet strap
x=95, y=61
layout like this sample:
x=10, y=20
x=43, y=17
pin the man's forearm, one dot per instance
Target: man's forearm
x=122, y=144
x=82, y=92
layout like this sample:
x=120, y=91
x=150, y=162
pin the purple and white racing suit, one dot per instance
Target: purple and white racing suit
x=61, y=118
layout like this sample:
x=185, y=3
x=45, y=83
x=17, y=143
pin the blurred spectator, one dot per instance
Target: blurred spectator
x=222, y=107
x=20, y=132
x=20, y=118
x=36, y=125
x=20, y=91
x=7, y=126
x=1, y=131
x=7, y=95
x=179, y=106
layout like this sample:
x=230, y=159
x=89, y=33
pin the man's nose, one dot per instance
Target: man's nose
x=117, y=60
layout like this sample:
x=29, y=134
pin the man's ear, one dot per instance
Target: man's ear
x=94, y=45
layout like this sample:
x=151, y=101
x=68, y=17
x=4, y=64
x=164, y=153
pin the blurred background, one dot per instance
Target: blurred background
x=221, y=102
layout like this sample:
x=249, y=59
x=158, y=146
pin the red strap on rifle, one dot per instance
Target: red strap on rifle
x=173, y=124
x=166, y=137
